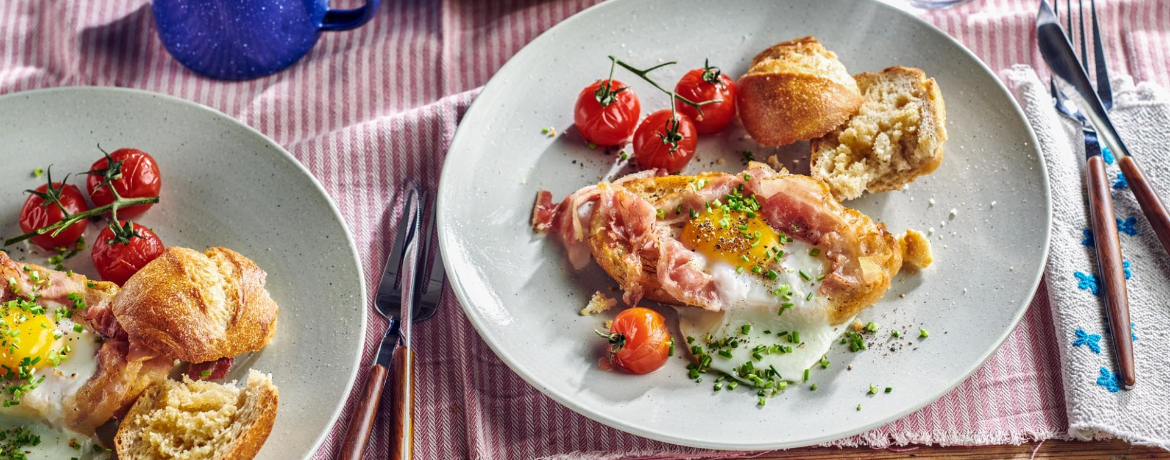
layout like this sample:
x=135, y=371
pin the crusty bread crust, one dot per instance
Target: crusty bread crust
x=157, y=414
x=198, y=307
x=795, y=90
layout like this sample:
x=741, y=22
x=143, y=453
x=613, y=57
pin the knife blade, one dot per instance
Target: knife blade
x=396, y=297
x=1057, y=52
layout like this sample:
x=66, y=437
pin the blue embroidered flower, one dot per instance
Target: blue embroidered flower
x=1128, y=272
x=1109, y=380
x=1093, y=341
x=1107, y=154
x=1088, y=282
x=1120, y=182
x=1087, y=238
x=1127, y=226
x=1132, y=336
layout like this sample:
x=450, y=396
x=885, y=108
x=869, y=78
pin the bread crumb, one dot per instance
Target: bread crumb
x=916, y=253
x=775, y=163
x=954, y=212
x=857, y=325
x=599, y=303
x=720, y=161
x=930, y=203
x=993, y=204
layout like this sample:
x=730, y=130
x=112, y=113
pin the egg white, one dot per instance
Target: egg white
x=42, y=409
x=749, y=300
x=56, y=443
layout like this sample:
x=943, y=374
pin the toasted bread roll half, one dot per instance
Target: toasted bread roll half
x=198, y=307
x=795, y=90
x=199, y=420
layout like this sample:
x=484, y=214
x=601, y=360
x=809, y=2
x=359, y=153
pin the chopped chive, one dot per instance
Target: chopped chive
x=806, y=375
x=671, y=353
x=747, y=176
x=871, y=327
x=744, y=258
x=750, y=214
x=922, y=333
x=661, y=214
x=76, y=327
x=821, y=277
x=772, y=274
x=814, y=252
x=889, y=389
x=804, y=275
x=718, y=386
x=896, y=334
x=813, y=387
x=739, y=269
x=745, y=329
x=757, y=269
x=762, y=402
x=206, y=373
x=690, y=339
x=872, y=389
x=808, y=297
x=732, y=384
x=725, y=354
x=824, y=363
x=678, y=210
x=859, y=407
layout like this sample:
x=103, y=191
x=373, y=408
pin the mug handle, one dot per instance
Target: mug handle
x=337, y=20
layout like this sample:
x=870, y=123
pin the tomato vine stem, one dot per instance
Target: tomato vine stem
x=644, y=74
x=61, y=225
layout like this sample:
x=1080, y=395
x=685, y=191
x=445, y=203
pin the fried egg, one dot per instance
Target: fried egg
x=774, y=322
x=45, y=357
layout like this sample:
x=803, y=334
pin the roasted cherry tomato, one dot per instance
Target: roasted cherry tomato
x=133, y=173
x=665, y=142
x=639, y=340
x=708, y=84
x=41, y=210
x=118, y=255
x=607, y=113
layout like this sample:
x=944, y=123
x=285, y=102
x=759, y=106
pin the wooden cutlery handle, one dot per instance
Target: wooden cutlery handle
x=1147, y=197
x=363, y=421
x=402, y=413
x=1109, y=264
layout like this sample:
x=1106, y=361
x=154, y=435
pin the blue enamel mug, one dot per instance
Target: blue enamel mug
x=245, y=39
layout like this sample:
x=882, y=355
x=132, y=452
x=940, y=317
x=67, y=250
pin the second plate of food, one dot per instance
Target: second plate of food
x=984, y=210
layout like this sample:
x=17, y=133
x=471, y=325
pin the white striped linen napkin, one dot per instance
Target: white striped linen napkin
x=1097, y=407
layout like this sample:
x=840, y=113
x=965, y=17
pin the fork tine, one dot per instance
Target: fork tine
x=1101, y=69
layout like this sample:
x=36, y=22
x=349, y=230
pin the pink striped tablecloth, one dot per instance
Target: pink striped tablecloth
x=368, y=108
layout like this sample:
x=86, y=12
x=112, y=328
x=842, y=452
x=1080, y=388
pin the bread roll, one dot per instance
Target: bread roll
x=795, y=90
x=896, y=137
x=199, y=420
x=197, y=307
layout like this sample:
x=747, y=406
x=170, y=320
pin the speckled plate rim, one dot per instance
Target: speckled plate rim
x=479, y=323
x=284, y=155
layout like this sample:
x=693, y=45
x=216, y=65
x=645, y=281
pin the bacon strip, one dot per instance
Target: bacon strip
x=216, y=370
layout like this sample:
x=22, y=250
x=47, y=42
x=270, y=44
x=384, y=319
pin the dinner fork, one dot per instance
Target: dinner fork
x=1105, y=236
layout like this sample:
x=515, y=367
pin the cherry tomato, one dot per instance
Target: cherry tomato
x=708, y=84
x=653, y=146
x=134, y=174
x=639, y=340
x=37, y=213
x=607, y=113
x=118, y=257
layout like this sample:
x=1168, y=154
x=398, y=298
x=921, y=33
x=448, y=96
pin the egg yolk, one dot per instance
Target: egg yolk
x=24, y=333
x=739, y=238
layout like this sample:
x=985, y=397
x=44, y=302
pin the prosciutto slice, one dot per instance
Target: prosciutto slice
x=639, y=248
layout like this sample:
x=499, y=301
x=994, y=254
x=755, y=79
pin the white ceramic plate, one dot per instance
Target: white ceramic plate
x=224, y=184
x=517, y=291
